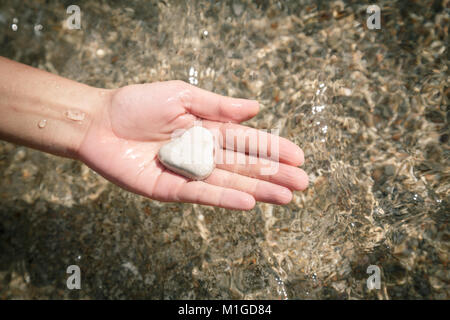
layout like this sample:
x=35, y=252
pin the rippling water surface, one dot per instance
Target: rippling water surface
x=368, y=107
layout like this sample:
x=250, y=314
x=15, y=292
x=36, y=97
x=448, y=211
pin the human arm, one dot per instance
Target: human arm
x=119, y=132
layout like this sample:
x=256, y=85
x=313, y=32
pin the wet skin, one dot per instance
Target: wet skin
x=124, y=138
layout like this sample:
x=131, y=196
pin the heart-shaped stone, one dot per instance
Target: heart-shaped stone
x=191, y=154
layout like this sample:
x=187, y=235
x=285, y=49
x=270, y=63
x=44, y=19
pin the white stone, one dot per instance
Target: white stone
x=190, y=155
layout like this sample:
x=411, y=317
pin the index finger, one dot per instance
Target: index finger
x=212, y=106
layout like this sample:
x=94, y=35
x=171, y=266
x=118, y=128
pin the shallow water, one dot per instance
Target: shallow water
x=368, y=107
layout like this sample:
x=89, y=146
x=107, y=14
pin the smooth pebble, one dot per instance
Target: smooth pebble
x=190, y=155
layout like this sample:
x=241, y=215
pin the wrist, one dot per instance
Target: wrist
x=96, y=108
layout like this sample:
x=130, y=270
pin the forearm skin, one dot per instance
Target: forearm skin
x=45, y=111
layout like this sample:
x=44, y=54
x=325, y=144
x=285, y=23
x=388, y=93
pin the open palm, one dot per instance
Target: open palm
x=124, y=138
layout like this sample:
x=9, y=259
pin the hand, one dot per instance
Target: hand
x=125, y=135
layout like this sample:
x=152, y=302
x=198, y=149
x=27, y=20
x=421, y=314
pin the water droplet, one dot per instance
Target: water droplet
x=281, y=290
x=15, y=25
x=42, y=124
x=37, y=29
x=75, y=115
x=317, y=109
x=193, y=74
x=100, y=53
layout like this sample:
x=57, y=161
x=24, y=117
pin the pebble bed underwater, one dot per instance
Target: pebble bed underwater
x=369, y=107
